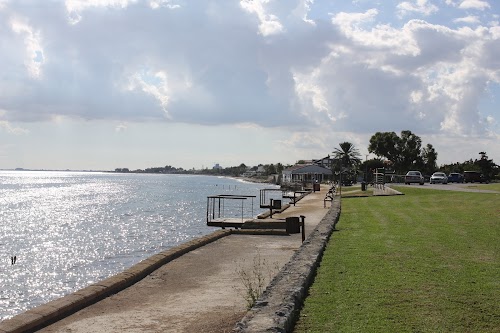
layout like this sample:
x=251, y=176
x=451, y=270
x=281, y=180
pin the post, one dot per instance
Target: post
x=303, y=224
x=366, y=168
x=271, y=208
x=340, y=182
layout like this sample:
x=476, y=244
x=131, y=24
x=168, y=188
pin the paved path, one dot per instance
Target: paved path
x=199, y=292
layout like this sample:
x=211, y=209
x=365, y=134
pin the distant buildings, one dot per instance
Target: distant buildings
x=306, y=173
x=310, y=171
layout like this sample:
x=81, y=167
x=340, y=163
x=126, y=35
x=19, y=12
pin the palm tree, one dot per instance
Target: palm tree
x=348, y=156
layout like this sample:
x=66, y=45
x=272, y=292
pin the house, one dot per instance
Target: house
x=325, y=162
x=306, y=173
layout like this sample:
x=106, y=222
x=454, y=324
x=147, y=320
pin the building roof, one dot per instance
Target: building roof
x=308, y=168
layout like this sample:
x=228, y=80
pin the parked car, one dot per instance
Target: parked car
x=414, y=177
x=455, y=177
x=439, y=177
x=474, y=176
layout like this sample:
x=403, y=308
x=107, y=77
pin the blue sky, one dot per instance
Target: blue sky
x=103, y=84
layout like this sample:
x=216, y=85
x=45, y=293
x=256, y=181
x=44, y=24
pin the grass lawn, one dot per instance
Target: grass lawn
x=492, y=186
x=355, y=191
x=428, y=261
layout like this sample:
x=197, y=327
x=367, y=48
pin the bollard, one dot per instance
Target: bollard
x=303, y=225
x=271, y=209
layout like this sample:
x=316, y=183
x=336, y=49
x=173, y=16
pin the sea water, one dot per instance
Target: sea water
x=71, y=229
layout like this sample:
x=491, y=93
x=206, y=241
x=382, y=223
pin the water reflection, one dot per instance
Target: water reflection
x=71, y=229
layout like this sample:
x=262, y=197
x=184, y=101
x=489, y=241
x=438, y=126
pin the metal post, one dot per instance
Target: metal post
x=303, y=225
x=271, y=208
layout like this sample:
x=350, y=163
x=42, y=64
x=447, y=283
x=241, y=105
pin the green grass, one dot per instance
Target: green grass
x=492, y=186
x=428, y=261
x=355, y=191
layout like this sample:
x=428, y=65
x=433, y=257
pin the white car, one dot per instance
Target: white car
x=439, y=177
x=414, y=177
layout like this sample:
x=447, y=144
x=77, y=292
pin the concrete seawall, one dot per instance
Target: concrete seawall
x=278, y=308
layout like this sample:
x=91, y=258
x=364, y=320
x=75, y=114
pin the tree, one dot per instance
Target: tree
x=385, y=144
x=279, y=168
x=409, y=149
x=487, y=167
x=348, y=156
x=269, y=169
x=404, y=152
x=369, y=165
x=429, y=159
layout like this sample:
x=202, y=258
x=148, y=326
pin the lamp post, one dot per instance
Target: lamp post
x=366, y=168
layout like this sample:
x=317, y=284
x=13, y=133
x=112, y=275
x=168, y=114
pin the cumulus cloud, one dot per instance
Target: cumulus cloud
x=269, y=23
x=33, y=58
x=261, y=63
x=474, y=4
x=422, y=7
x=468, y=20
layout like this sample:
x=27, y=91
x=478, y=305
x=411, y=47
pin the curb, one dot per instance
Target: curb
x=278, y=308
x=48, y=313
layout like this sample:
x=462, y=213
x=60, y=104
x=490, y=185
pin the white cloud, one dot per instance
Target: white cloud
x=6, y=126
x=311, y=95
x=302, y=10
x=269, y=23
x=262, y=64
x=474, y=4
x=76, y=7
x=155, y=4
x=468, y=20
x=354, y=21
x=151, y=83
x=34, y=58
x=379, y=37
x=417, y=6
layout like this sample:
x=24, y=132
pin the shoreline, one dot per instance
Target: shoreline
x=59, y=308
x=23, y=289
x=141, y=303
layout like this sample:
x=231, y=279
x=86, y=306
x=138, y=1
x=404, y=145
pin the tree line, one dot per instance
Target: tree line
x=233, y=171
x=406, y=152
x=398, y=153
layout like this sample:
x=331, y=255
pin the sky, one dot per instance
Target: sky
x=105, y=84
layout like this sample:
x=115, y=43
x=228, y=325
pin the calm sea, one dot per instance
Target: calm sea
x=71, y=229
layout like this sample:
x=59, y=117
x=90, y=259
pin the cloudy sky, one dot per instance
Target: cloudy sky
x=102, y=84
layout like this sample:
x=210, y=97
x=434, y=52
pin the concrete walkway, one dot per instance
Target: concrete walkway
x=201, y=291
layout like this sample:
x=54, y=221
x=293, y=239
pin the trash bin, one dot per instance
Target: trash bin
x=363, y=186
x=316, y=187
x=292, y=225
x=276, y=204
